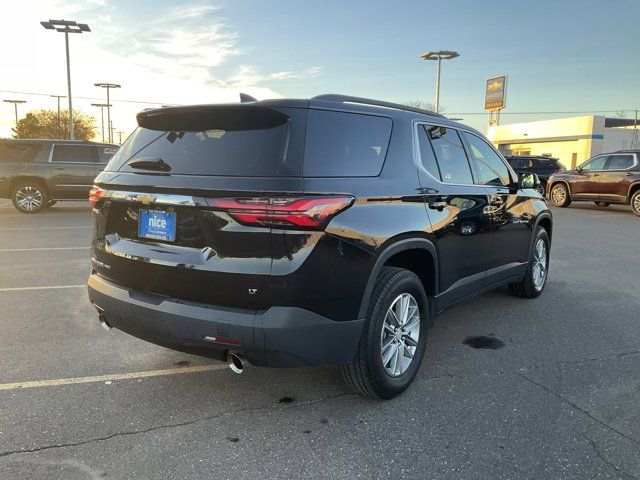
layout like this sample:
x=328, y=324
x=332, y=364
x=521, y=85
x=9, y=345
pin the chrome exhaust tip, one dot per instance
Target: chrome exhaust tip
x=236, y=363
x=103, y=322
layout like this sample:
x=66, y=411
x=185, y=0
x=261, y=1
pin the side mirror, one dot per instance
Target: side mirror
x=528, y=180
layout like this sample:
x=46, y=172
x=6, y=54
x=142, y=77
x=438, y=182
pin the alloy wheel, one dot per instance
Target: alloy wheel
x=400, y=334
x=539, y=267
x=636, y=203
x=29, y=198
x=558, y=195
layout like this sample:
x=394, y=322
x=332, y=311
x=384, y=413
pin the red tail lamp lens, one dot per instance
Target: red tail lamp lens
x=95, y=195
x=284, y=212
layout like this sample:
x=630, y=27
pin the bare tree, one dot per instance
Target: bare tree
x=423, y=105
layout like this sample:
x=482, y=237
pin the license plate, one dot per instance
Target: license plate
x=157, y=225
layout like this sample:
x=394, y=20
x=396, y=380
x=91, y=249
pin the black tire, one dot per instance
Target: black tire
x=635, y=203
x=542, y=189
x=527, y=288
x=602, y=204
x=562, y=197
x=29, y=197
x=367, y=374
x=51, y=203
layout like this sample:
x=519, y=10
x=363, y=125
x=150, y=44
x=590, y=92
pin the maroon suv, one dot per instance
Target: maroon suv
x=603, y=179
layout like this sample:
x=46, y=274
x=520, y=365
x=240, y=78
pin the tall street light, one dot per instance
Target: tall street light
x=439, y=56
x=67, y=27
x=101, y=105
x=58, y=126
x=15, y=106
x=108, y=86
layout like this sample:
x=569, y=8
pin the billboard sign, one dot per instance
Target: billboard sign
x=495, y=93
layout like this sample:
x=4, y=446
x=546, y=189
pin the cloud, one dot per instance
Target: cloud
x=250, y=75
x=310, y=72
x=176, y=54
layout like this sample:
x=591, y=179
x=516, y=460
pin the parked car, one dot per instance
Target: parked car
x=542, y=166
x=35, y=174
x=289, y=233
x=604, y=179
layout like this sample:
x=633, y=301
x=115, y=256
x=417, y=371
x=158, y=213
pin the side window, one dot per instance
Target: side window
x=345, y=144
x=491, y=169
x=596, y=163
x=106, y=153
x=17, y=152
x=452, y=160
x=427, y=155
x=75, y=154
x=620, y=162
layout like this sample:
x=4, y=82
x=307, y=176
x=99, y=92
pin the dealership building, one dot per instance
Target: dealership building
x=571, y=140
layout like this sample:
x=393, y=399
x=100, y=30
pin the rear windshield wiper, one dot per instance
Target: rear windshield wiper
x=150, y=163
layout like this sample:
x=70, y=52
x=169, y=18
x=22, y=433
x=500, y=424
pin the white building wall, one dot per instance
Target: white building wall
x=571, y=140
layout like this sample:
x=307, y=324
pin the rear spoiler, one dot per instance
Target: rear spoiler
x=198, y=118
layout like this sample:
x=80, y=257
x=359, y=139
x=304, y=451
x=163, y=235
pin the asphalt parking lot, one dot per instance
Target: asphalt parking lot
x=560, y=399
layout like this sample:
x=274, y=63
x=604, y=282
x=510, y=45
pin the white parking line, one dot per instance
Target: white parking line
x=50, y=287
x=110, y=378
x=5, y=204
x=41, y=249
x=39, y=228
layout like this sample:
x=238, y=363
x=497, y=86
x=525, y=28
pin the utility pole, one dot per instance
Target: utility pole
x=108, y=86
x=438, y=57
x=15, y=107
x=58, y=118
x=635, y=130
x=101, y=105
x=67, y=27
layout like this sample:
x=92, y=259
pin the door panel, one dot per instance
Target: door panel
x=73, y=169
x=461, y=226
x=585, y=183
x=615, y=180
x=457, y=212
x=506, y=214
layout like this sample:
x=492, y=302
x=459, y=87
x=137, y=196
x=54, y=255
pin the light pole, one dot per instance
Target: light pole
x=15, y=106
x=58, y=127
x=439, y=56
x=101, y=105
x=67, y=27
x=108, y=86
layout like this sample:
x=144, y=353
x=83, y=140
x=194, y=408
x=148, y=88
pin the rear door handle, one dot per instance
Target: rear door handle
x=58, y=168
x=437, y=205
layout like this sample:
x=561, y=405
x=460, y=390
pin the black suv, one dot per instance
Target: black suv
x=542, y=166
x=35, y=174
x=289, y=233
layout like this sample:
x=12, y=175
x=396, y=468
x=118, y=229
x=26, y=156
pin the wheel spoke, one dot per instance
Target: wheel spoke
x=408, y=351
x=397, y=361
x=388, y=327
x=390, y=341
x=415, y=321
x=391, y=352
x=409, y=340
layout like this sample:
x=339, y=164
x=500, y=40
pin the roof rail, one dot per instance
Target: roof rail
x=333, y=97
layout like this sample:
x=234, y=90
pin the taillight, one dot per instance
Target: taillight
x=95, y=195
x=309, y=213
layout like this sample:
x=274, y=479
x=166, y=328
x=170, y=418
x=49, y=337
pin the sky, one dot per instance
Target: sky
x=560, y=56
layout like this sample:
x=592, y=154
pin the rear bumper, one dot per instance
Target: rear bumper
x=277, y=337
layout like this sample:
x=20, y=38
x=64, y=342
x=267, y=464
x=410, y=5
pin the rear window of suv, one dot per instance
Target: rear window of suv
x=231, y=142
x=345, y=144
x=18, y=151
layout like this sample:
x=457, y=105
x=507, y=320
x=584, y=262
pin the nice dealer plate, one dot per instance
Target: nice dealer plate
x=157, y=225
